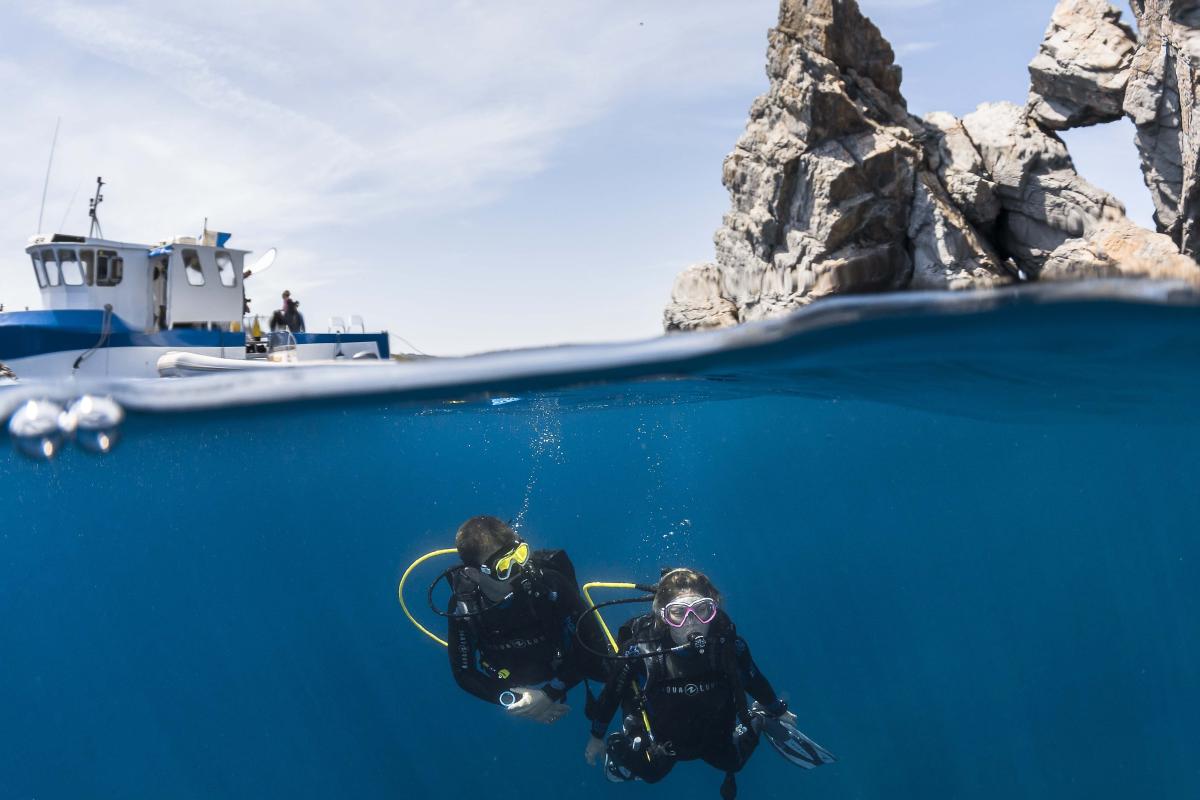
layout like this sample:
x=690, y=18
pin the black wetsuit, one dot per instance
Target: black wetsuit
x=527, y=639
x=692, y=699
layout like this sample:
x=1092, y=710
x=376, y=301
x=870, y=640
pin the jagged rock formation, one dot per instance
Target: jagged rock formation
x=1161, y=101
x=1079, y=74
x=832, y=187
x=837, y=188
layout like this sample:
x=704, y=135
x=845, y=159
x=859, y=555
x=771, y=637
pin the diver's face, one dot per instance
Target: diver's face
x=492, y=589
x=691, y=624
x=495, y=576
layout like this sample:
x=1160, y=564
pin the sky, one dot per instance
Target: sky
x=469, y=175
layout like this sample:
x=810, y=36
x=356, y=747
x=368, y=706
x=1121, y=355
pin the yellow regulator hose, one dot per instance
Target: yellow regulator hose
x=587, y=587
x=400, y=591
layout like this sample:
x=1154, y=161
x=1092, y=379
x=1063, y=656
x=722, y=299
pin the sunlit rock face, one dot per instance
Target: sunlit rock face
x=1079, y=74
x=1119, y=249
x=1161, y=101
x=836, y=188
x=698, y=301
x=822, y=179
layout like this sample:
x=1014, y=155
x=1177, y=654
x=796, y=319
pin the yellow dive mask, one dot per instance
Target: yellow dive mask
x=500, y=566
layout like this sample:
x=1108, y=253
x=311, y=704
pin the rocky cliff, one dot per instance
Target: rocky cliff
x=835, y=187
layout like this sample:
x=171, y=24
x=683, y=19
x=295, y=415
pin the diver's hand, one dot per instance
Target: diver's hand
x=535, y=704
x=778, y=710
x=594, y=750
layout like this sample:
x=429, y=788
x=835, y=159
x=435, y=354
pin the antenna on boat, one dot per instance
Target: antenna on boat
x=62, y=226
x=49, y=164
x=93, y=206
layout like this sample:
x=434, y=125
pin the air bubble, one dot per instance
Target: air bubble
x=96, y=422
x=35, y=429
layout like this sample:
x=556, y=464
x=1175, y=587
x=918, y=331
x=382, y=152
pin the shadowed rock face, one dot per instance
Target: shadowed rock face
x=1161, y=101
x=836, y=188
x=1044, y=201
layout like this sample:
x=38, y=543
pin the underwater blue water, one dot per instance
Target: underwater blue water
x=966, y=549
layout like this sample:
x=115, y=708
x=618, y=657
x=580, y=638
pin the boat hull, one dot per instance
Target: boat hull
x=46, y=345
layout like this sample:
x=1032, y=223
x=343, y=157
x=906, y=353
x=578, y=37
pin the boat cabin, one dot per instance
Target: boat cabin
x=188, y=282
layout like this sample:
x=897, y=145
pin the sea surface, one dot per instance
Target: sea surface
x=960, y=535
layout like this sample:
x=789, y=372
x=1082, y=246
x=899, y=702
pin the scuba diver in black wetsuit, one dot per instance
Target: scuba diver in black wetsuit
x=512, y=623
x=681, y=677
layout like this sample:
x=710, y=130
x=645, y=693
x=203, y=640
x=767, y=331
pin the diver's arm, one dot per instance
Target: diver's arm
x=464, y=660
x=754, y=682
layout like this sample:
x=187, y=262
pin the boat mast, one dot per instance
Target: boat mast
x=93, y=205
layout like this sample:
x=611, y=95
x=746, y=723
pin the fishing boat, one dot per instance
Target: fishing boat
x=114, y=309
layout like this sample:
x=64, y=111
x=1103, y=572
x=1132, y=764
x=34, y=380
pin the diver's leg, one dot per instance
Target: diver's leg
x=731, y=756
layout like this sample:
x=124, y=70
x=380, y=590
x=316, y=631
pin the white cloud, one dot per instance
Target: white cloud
x=274, y=117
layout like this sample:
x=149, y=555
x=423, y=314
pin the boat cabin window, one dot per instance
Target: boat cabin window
x=225, y=269
x=191, y=267
x=39, y=270
x=109, y=267
x=68, y=262
x=53, y=276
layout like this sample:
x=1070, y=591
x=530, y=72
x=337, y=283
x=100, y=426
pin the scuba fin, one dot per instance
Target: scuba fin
x=788, y=741
x=617, y=750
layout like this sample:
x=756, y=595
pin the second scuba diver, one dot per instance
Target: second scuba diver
x=512, y=618
x=681, y=677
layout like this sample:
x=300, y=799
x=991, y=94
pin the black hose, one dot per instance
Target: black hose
x=105, y=332
x=449, y=614
x=609, y=656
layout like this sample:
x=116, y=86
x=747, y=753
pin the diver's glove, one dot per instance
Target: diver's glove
x=537, y=705
x=594, y=750
x=777, y=710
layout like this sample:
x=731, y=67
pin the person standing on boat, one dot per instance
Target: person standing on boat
x=512, y=617
x=289, y=316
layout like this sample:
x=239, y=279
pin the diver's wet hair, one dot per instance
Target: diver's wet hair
x=480, y=537
x=681, y=581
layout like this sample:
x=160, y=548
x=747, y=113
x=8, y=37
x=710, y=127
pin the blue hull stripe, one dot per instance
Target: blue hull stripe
x=32, y=333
